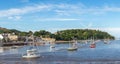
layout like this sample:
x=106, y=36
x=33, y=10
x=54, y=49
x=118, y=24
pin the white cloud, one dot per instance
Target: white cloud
x=113, y=31
x=61, y=9
x=22, y=11
x=14, y=17
x=58, y=9
x=82, y=9
x=112, y=9
x=57, y=19
x=53, y=30
x=10, y=17
x=3, y=23
x=68, y=9
x=86, y=26
x=17, y=17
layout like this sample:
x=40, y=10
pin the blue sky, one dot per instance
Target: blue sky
x=54, y=15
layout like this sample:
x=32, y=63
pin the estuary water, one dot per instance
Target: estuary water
x=102, y=54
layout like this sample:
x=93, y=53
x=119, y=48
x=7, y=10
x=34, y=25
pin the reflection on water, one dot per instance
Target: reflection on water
x=102, y=54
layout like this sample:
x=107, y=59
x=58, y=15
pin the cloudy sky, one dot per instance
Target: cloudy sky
x=54, y=15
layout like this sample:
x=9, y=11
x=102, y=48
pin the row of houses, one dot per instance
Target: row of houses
x=13, y=37
x=9, y=36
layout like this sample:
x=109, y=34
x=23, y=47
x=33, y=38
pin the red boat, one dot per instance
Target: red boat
x=93, y=45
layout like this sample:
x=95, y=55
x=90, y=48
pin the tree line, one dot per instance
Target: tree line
x=80, y=34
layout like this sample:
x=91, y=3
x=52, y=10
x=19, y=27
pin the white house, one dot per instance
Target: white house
x=1, y=37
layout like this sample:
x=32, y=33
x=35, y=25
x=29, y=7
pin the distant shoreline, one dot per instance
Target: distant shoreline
x=62, y=41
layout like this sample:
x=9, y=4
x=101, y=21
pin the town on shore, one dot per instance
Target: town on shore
x=9, y=37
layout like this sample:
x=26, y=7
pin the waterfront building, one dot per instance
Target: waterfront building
x=48, y=39
x=1, y=37
x=13, y=37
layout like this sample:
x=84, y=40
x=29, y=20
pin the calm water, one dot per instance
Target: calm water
x=102, y=54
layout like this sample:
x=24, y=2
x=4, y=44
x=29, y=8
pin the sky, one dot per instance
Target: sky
x=55, y=15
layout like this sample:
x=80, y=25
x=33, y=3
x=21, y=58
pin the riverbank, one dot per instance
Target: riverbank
x=14, y=44
x=36, y=43
x=61, y=41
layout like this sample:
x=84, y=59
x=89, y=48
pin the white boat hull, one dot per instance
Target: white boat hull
x=31, y=56
x=33, y=53
x=72, y=49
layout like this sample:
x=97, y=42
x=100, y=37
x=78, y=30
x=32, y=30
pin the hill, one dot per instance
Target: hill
x=82, y=34
x=4, y=30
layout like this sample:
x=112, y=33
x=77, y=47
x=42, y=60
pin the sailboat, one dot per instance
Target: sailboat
x=52, y=45
x=32, y=52
x=73, y=47
x=106, y=41
x=93, y=45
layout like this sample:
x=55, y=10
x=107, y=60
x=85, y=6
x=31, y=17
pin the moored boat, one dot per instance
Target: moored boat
x=92, y=45
x=32, y=53
x=73, y=47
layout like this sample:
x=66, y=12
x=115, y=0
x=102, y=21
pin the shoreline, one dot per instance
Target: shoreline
x=62, y=41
